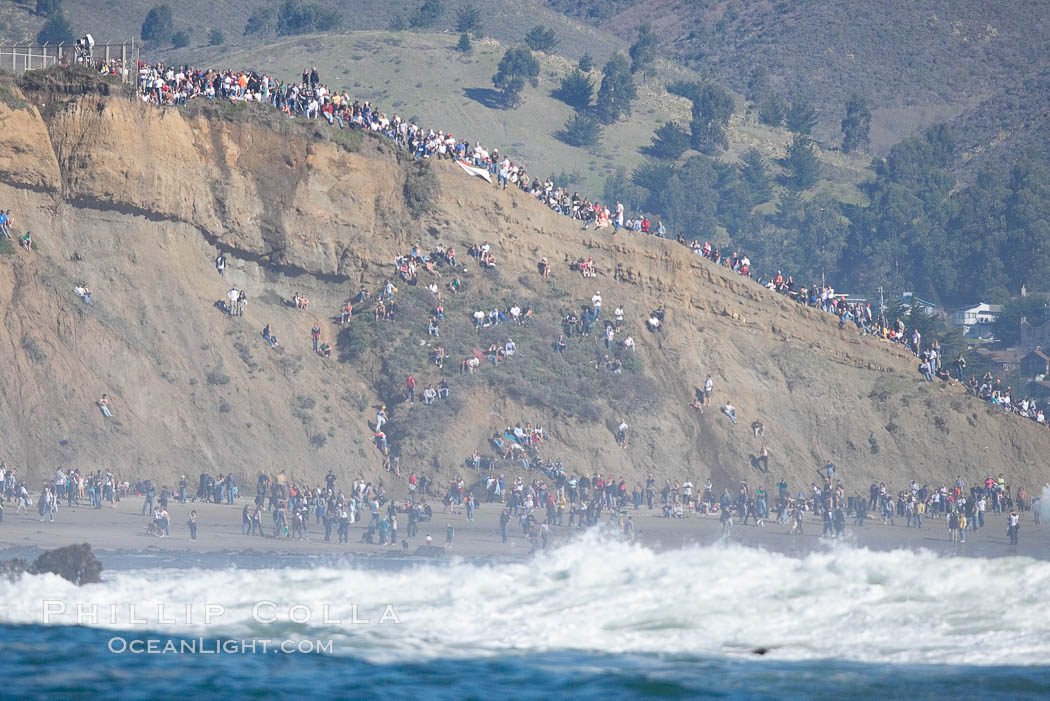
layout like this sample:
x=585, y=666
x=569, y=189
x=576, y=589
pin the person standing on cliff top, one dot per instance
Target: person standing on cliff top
x=220, y=264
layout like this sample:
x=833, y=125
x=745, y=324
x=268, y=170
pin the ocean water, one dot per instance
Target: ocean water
x=592, y=618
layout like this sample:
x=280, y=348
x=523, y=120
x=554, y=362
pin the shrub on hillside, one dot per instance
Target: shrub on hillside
x=216, y=37
x=421, y=189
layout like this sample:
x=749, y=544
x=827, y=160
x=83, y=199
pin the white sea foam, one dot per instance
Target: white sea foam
x=596, y=595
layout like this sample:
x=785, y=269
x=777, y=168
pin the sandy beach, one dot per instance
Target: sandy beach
x=121, y=531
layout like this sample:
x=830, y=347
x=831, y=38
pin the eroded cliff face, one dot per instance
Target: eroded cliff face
x=136, y=202
x=286, y=201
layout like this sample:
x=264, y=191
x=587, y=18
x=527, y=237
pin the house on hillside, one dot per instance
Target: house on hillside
x=1035, y=364
x=977, y=319
x=908, y=300
x=1003, y=362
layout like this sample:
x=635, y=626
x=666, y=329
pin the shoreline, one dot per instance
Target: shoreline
x=118, y=537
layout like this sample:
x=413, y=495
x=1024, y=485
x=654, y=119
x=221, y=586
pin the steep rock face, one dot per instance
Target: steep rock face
x=283, y=201
x=26, y=157
x=145, y=198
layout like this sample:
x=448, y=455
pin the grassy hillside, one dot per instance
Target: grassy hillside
x=916, y=62
x=423, y=76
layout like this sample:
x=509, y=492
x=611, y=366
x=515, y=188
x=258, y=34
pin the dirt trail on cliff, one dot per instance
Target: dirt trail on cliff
x=137, y=202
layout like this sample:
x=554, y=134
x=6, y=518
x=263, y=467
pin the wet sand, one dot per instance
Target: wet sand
x=119, y=533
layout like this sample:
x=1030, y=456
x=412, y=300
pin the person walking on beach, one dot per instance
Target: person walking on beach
x=1014, y=527
x=504, y=520
x=727, y=521
x=147, y=505
x=192, y=524
x=450, y=534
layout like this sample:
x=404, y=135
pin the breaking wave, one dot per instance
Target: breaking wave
x=593, y=595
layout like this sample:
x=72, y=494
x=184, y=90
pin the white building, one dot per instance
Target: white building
x=977, y=319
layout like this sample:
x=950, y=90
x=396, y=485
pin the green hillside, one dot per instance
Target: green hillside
x=917, y=62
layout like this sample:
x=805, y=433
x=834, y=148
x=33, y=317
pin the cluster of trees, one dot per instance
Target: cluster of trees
x=56, y=29
x=292, y=17
x=616, y=91
x=468, y=24
x=920, y=231
x=800, y=117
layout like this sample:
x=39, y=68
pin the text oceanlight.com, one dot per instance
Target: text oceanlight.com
x=261, y=612
x=120, y=645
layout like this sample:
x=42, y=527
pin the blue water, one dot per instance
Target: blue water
x=70, y=662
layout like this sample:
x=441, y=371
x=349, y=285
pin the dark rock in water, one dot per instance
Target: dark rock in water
x=430, y=551
x=75, y=563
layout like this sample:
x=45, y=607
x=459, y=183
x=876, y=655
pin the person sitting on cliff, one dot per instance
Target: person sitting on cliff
x=347, y=313
x=545, y=268
x=730, y=411
x=84, y=292
x=103, y=405
x=26, y=241
x=325, y=350
x=429, y=395
x=758, y=428
x=268, y=335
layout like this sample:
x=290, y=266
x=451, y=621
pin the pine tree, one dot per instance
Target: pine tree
x=464, y=44
x=427, y=15
x=468, y=21
x=856, y=125
x=585, y=63
x=755, y=175
x=617, y=90
x=576, y=90
x=771, y=111
x=541, y=39
x=643, y=51
x=801, y=162
x=669, y=142
x=158, y=25
x=711, y=112
x=801, y=118
x=517, y=67
x=56, y=30
x=581, y=130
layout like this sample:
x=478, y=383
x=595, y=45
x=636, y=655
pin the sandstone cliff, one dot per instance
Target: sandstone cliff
x=136, y=202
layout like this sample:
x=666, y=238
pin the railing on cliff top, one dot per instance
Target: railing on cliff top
x=18, y=59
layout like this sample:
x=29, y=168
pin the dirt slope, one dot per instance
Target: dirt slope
x=136, y=201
